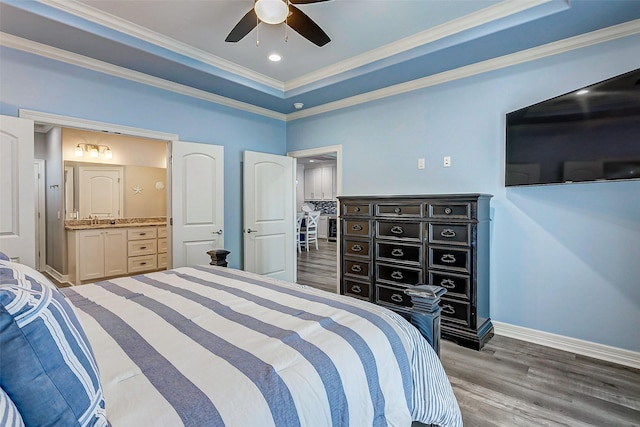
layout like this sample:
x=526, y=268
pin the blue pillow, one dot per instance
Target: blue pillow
x=47, y=365
x=4, y=257
x=9, y=415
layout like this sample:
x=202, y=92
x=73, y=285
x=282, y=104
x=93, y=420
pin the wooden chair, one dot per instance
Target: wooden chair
x=311, y=229
x=299, y=229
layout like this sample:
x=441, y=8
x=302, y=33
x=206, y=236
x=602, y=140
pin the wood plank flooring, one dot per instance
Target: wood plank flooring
x=317, y=268
x=512, y=383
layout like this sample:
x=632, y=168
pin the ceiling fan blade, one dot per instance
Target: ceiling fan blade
x=305, y=1
x=305, y=26
x=243, y=27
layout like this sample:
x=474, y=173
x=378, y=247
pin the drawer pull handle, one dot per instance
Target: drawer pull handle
x=143, y=263
x=397, y=252
x=356, y=209
x=447, y=232
x=356, y=268
x=356, y=289
x=143, y=247
x=398, y=210
x=356, y=248
x=448, y=258
x=356, y=227
x=448, y=309
x=448, y=210
x=397, y=275
x=396, y=229
x=447, y=283
x=143, y=234
x=396, y=298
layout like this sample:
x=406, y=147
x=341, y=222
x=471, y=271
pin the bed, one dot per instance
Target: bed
x=209, y=346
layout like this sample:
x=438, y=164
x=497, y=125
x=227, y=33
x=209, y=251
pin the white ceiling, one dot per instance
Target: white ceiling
x=376, y=45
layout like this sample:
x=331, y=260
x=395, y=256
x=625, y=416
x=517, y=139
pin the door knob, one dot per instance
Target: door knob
x=251, y=231
x=218, y=232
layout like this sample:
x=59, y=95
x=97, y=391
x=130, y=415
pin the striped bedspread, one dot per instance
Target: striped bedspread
x=210, y=346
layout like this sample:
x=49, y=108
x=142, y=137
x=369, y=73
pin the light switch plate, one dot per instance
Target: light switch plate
x=446, y=162
x=421, y=163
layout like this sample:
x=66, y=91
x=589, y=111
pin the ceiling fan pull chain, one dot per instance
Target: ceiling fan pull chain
x=286, y=25
x=257, y=31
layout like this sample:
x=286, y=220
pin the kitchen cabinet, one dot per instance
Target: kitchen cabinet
x=319, y=183
x=322, y=227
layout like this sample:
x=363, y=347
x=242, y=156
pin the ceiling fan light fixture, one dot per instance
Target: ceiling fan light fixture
x=271, y=11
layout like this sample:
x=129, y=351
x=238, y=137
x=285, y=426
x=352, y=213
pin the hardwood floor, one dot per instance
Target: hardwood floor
x=516, y=383
x=317, y=268
x=512, y=383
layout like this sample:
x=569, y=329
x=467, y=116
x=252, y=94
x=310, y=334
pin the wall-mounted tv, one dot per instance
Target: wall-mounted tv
x=590, y=134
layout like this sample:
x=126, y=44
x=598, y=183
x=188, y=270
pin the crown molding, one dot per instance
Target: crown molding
x=484, y=16
x=99, y=17
x=39, y=49
x=599, y=36
x=573, y=345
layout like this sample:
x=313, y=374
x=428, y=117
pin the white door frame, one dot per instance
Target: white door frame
x=41, y=227
x=93, y=125
x=330, y=149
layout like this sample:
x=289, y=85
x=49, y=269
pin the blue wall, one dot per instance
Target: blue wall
x=35, y=83
x=565, y=259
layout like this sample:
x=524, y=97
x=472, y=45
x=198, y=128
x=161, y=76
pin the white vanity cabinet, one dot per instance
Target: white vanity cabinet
x=100, y=253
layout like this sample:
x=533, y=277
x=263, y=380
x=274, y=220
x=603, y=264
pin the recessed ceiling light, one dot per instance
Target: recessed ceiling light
x=582, y=92
x=274, y=57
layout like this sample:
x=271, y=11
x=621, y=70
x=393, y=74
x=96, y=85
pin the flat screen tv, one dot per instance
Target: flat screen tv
x=590, y=134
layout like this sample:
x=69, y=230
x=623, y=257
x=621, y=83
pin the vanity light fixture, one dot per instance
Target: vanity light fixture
x=93, y=150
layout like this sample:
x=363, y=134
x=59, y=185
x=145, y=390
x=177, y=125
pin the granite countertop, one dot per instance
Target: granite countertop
x=86, y=224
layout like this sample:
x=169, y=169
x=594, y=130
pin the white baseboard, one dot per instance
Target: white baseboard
x=62, y=278
x=573, y=345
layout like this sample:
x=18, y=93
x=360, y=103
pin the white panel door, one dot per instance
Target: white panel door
x=197, y=198
x=269, y=215
x=17, y=187
x=100, y=191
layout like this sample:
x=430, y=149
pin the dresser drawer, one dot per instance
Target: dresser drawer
x=162, y=232
x=363, y=209
x=399, y=230
x=456, y=311
x=454, y=210
x=142, y=247
x=142, y=263
x=457, y=285
x=450, y=234
x=402, y=252
x=357, y=248
x=357, y=289
x=356, y=268
x=393, y=296
x=142, y=233
x=162, y=245
x=449, y=259
x=400, y=275
x=356, y=228
x=413, y=210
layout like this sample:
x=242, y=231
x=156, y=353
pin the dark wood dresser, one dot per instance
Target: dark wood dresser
x=390, y=243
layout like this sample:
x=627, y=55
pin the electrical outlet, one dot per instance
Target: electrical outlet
x=421, y=163
x=446, y=162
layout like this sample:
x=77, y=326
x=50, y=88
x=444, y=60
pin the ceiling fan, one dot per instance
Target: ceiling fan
x=276, y=12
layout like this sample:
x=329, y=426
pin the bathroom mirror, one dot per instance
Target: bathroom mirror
x=114, y=191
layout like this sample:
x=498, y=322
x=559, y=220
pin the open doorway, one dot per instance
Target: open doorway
x=318, y=183
x=50, y=145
